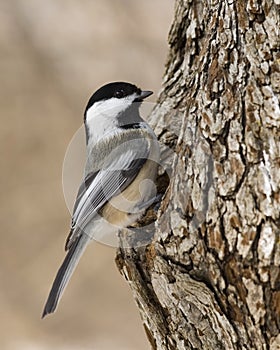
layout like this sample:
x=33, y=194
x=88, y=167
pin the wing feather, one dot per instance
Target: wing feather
x=100, y=186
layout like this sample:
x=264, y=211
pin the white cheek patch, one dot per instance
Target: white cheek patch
x=110, y=108
x=101, y=116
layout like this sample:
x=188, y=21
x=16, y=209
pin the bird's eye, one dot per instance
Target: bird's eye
x=119, y=94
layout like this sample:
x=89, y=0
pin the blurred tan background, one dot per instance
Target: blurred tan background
x=53, y=55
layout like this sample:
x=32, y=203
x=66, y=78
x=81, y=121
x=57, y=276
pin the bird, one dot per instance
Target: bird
x=122, y=157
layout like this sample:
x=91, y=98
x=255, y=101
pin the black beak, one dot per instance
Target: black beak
x=143, y=95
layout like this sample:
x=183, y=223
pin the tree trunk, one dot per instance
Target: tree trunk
x=210, y=278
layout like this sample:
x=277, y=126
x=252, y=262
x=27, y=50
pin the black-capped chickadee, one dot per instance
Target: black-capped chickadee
x=121, y=166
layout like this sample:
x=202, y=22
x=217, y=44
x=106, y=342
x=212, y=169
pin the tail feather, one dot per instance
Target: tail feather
x=65, y=272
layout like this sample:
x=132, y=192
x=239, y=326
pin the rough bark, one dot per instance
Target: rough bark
x=210, y=279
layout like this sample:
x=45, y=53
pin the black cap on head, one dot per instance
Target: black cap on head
x=116, y=89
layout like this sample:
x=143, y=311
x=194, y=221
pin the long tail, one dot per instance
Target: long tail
x=65, y=272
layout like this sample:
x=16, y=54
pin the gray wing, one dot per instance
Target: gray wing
x=100, y=186
x=118, y=170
